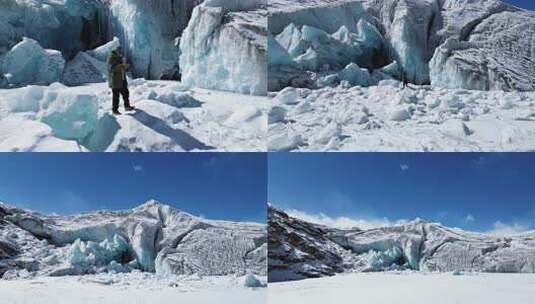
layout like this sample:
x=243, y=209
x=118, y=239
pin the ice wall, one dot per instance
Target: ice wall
x=498, y=54
x=152, y=237
x=28, y=63
x=415, y=31
x=148, y=30
x=63, y=25
x=225, y=47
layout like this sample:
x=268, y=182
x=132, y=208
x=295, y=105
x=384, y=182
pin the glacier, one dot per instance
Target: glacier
x=225, y=47
x=153, y=237
x=407, y=75
x=300, y=249
x=416, y=36
x=210, y=44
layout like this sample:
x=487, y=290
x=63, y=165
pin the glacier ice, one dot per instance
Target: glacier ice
x=414, y=39
x=497, y=56
x=90, y=253
x=152, y=237
x=355, y=75
x=299, y=249
x=222, y=45
x=226, y=50
x=28, y=63
x=71, y=115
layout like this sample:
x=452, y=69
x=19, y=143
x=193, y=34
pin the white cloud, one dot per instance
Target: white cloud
x=469, y=218
x=344, y=222
x=404, y=167
x=138, y=168
x=501, y=229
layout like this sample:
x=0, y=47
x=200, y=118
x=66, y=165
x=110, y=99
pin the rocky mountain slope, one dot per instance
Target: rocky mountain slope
x=152, y=237
x=299, y=250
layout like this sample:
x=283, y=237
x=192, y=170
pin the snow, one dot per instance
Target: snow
x=408, y=288
x=28, y=63
x=131, y=288
x=419, y=118
x=226, y=50
x=170, y=117
x=498, y=56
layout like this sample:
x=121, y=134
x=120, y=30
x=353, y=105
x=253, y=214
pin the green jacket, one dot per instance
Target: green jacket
x=116, y=72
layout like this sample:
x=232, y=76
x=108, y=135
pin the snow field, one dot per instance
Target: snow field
x=136, y=288
x=407, y=288
x=389, y=118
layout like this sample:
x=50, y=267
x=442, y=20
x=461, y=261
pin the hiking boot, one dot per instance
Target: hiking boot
x=116, y=112
x=130, y=108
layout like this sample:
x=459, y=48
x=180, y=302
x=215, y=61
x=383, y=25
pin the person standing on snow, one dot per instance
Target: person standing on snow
x=117, y=80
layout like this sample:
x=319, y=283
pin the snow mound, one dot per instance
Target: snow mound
x=252, y=281
x=169, y=117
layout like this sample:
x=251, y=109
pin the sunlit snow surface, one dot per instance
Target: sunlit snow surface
x=407, y=288
x=135, y=288
x=389, y=118
x=170, y=117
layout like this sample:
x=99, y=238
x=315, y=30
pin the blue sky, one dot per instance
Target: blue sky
x=528, y=4
x=227, y=186
x=478, y=192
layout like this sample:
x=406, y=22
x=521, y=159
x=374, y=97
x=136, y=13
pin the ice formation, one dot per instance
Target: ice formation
x=28, y=63
x=153, y=237
x=224, y=47
x=299, y=249
x=452, y=44
x=223, y=43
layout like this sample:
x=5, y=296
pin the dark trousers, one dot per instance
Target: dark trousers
x=126, y=97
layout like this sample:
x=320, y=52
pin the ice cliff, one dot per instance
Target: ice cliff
x=471, y=44
x=152, y=237
x=225, y=47
x=299, y=250
x=223, y=43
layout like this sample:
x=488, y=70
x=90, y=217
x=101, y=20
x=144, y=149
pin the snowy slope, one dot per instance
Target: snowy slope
x=170, y=117
x=152, y=237
x=417, y=246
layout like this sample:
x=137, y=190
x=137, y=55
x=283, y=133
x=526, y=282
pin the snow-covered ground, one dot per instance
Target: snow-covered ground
x=170, y=117
x=411, y=288
x=135, y=288
x=389, y=118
